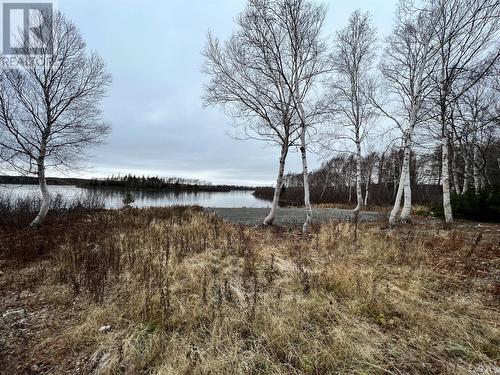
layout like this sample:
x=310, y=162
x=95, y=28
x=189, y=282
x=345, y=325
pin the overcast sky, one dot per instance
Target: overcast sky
x=159, y=126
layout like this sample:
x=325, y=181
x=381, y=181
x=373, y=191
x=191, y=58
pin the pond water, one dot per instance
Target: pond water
x=145, y=198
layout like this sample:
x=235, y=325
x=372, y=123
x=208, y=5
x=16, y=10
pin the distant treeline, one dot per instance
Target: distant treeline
x=128, y=182
x=380, y=194
x=335, y=180
x=28, y=180
x=159, y=183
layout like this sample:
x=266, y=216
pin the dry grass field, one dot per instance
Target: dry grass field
x=178, y=291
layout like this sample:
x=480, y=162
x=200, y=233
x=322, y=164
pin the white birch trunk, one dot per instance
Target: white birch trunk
x=367, y=187
x=303, y=152
x=475, y=171
x=448, y=214
x=305, y=173
x=465, y=187
x=394, y=179
x=397, y=202
x=445, y=159
x=359, y=193
x=456, y=181
x=44, y=209
x=402, y=179
x=277, y=189
x=406, y=212
x=350, y=185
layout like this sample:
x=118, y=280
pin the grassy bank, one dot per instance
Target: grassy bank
x=178, y=291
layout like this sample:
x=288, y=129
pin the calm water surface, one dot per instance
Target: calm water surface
x=145, y=198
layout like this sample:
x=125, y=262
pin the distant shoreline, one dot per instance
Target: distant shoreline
x=103, y=184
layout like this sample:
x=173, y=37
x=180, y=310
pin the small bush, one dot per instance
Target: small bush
x=128, y=200
x=484, y=206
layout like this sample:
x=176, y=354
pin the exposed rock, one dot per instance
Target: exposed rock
x=105, y=329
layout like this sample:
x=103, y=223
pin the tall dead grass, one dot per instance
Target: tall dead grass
x=20, y=211
x=185, y=293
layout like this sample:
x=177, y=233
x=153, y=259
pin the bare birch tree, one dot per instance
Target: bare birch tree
x=264, y=75
x=473, y=130
x=302, y=21
x=406, y=67
x=350, y=91
x=467, y=35
x=247, y=79
x=49, y=103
